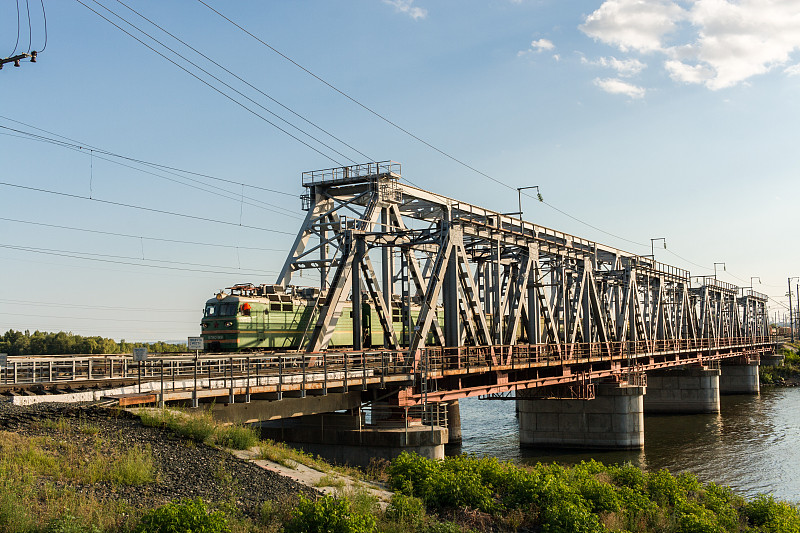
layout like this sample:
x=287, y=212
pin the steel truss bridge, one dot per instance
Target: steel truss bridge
x=509, y=293
x=485, y=304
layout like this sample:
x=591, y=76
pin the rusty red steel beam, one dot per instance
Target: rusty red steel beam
x=675, y=353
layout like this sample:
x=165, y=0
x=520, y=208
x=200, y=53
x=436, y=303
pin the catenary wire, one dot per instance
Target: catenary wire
x=230, y=194
x=111, y=233
x=76, y=255
x=326, y=156
x=18, y=26
x=103, y=307
x=195, y=65
x=44, y=18
x=150, y=163
x=150, y=209
x=30, y=32
x=301, y=117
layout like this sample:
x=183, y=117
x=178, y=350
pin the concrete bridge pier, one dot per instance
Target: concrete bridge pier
x=683, y=390
x=613, y=420
x=345, y=438
x=740, y=378
x=453, y=423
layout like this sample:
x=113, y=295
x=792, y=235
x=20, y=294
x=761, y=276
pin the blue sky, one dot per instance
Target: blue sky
x=642, y=119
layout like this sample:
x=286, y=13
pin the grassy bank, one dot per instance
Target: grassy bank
x=788, y=373
x=46, y=488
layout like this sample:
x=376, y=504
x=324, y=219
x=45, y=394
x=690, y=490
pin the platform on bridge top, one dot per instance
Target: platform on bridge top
x=361, y=173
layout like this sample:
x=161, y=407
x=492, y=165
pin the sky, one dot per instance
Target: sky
x=133, y=185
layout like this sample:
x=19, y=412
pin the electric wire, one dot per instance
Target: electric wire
x=283, y=211
x=143, y=162
x=217, y=78
x=159, y=239
x=326, y=156
x=30, y=32
x=149, y=209
x=18, y=26
x=301, y=117
x=91, y=255
x=44, y=17
x=104, y=319
x=77, y=255
x=103, y=307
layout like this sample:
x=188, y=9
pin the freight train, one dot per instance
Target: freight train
x=273, y=317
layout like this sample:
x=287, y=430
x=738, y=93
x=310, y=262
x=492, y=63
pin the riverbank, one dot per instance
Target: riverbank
x=79, y=469
x=786, y=375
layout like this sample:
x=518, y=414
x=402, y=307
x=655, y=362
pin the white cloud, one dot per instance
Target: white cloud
x=633, y=24
x=541, y=45
x=718, y=43
x=618, y=86
x=793, y=70
x=405, y=6
x=624, y=67
x=538, y=46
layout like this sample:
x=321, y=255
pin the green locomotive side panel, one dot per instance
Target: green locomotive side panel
x=236, y=323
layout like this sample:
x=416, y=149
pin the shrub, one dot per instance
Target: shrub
x=406, y=510
x=186, y=516
x=328, y=515
x=771, y=516
x=569, y=517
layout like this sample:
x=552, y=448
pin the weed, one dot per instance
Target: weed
x=237, y=437
x=330, y=481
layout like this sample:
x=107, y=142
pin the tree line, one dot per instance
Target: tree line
x=45, y=343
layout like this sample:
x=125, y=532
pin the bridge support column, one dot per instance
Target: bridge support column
x=739, y=379
x=613, y=420
x=347, y=439
x=682, y=390
x=453, y=423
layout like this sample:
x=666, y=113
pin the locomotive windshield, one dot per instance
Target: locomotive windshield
x=225, y=309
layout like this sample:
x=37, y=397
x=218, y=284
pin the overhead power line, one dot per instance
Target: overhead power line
x=139, y=237
x=106, y=259
x=149, y=163
x=198, y=185
x=232, y=99
x=301, y=117
x=149, y=209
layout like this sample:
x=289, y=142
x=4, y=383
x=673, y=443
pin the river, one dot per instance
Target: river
x=752, y=446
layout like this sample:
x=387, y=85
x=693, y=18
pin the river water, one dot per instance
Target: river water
x=752, y=446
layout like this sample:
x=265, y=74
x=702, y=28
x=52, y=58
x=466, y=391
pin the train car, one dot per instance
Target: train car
x=273, y=317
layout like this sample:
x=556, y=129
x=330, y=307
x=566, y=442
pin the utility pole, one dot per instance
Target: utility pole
x=791, y=312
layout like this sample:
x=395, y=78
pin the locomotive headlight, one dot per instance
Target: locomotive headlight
x=228, y=324
x=205, y=325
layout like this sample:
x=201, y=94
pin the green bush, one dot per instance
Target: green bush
x=186, y=516
x=328, y=515
x=406, y=510
x=772, y=516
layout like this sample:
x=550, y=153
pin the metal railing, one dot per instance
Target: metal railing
x=352, y=172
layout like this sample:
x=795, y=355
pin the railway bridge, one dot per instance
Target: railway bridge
x=583, y=337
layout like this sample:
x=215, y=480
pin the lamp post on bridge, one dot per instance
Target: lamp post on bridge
x=652, y=248
x=519, y=197
x=724, y=268
x=791, y=316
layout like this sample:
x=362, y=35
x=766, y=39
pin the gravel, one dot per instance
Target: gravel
x=185, y=469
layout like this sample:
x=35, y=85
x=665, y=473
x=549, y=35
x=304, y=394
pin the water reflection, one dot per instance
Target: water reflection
x=753, y=445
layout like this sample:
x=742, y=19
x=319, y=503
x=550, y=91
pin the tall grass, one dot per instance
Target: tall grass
x=200, y=426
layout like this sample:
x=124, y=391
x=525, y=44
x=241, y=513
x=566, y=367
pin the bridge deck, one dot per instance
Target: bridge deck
x=439, y=374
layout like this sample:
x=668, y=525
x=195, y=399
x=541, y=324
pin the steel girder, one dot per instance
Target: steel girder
x=496, y=279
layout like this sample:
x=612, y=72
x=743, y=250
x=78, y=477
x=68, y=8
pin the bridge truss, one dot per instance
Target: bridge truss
x=456, y=274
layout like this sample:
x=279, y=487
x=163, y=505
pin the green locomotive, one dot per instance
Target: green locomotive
x=273, y=317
